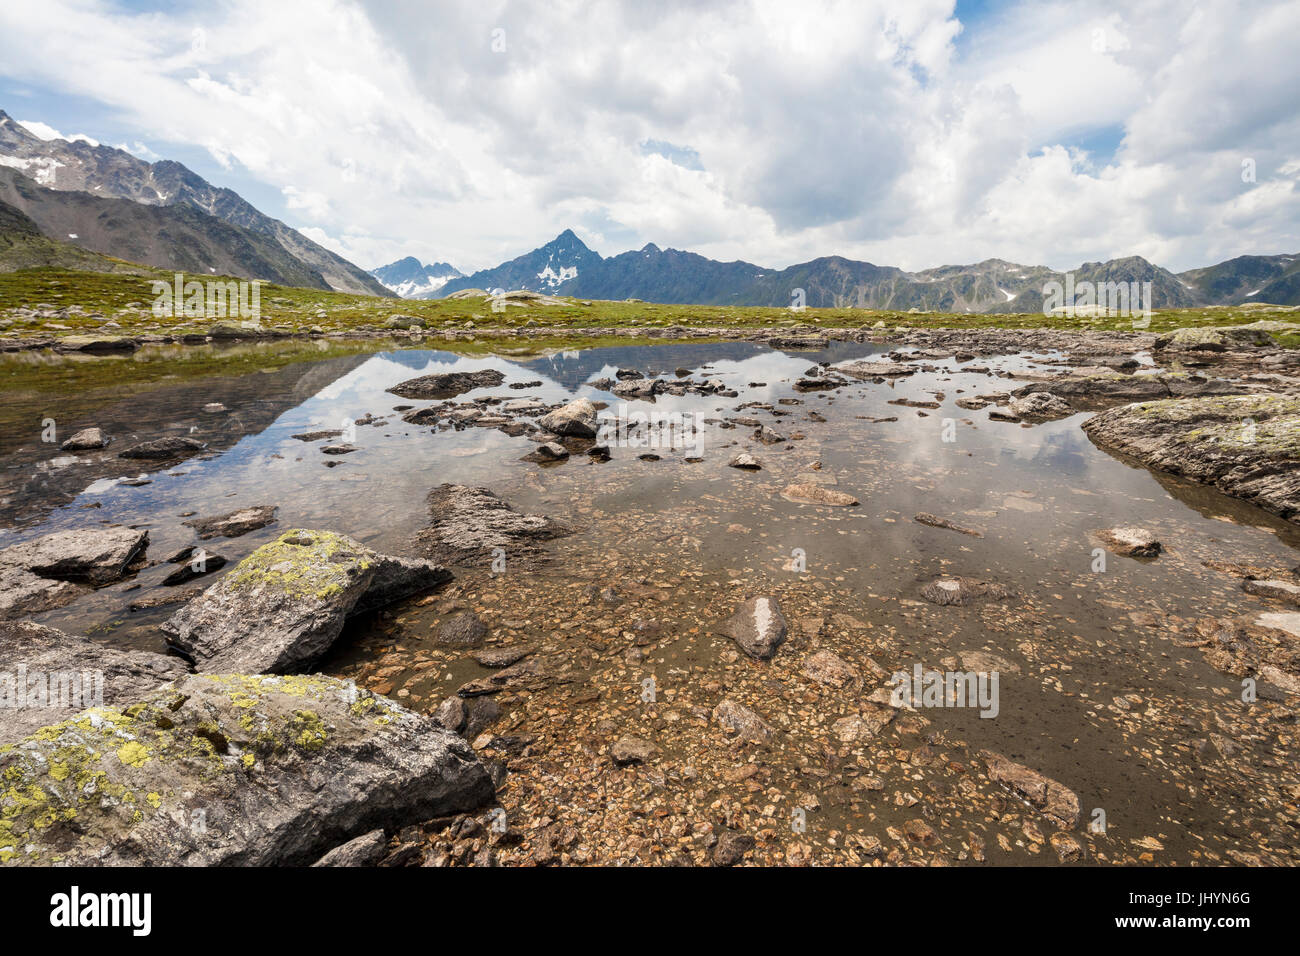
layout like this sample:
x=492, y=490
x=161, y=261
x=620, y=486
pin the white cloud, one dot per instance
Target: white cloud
x=45, y=131
x=779, y=132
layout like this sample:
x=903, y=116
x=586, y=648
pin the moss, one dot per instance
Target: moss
x=302, y=563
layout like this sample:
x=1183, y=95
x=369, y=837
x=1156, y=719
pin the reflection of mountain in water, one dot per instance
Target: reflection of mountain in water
x=36, y=478
x=572, y=369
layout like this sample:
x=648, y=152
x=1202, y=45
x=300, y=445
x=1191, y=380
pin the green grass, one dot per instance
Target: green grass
x=126, y=299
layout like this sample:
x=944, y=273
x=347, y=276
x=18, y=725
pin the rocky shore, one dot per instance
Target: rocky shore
x=619, y=703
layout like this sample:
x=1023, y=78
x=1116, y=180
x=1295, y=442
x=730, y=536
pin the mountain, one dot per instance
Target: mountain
x=105, y=172
x=565, y=266
x=1273, y=279
x=23, y=246
x=412, y=280
x=562, y=260
x=169, y=237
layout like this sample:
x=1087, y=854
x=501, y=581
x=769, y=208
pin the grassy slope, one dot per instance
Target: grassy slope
x=126, y=299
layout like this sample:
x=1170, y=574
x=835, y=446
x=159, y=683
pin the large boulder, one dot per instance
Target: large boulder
x=447, y=384
x=229, y=770
x=578, y=419
x=285, y=604
x=470, y=525
x=1246, y=446
x=47, y=676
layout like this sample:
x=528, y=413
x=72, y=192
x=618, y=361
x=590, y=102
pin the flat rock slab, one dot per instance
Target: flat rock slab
x=1054, y=800
x=630, y=750
x=285, y=604
x=757, y=626
x=960, y=591
x=230, y=770
x=163, y=449
x=1278, y=590
x=47, y=676
x=448, y=384
x=1245, y=446
x=1040, y=407
x=812, y=493
x=472, y=525
x=825, y=668
x=95, y=556
x=233, y=523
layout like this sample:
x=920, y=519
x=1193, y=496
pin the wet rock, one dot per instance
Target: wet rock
x=191, y=569
x=233, y=523
x=285, y=604
x=340, y=449
x=960, y=591
x=501, y=656
x=452, y=714
x=757, y=626
x=233, y=770
x=731, y=848
x=741, y=722
x=638, y=388
x=576, y=419
x=815, y=493
x=94, y=556
x=769, y=436
x=462, y=630
x=1040, y=407
x=934, y=521
x=1131, y=542
x=47, y=676
x=869, y=370
x=162, y=449
x=469, y=524
x=825, y=668
x=547, y=451
x=86, y=440
x=630, y=750
x=860, y=728
x=480, y=713
x=365, y=850
x=1067, y=848
x=318, y=435
x=166, y=598
x=745, y=462
x=598, y=453
x=1113, y=387
x=1056, y=801
x=447, y=384
x=1278, y=590
x=525, y=673
x=1245, y=446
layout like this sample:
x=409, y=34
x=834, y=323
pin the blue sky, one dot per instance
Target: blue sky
x=909, y=133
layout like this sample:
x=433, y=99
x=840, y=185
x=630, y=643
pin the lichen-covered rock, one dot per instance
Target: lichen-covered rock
x=758, y=626
x=447, y=384
x=229, y=770
x=94, y=556
x=577, y=418
x=285, y=604
x=1212, y=339
x=47, y=676
x=1096, y=391
x=473, y=526
x=1246, y=446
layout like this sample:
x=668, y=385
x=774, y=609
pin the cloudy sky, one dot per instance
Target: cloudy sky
x=910, y=133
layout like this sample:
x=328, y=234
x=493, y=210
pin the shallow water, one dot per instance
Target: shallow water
x=706, y=535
